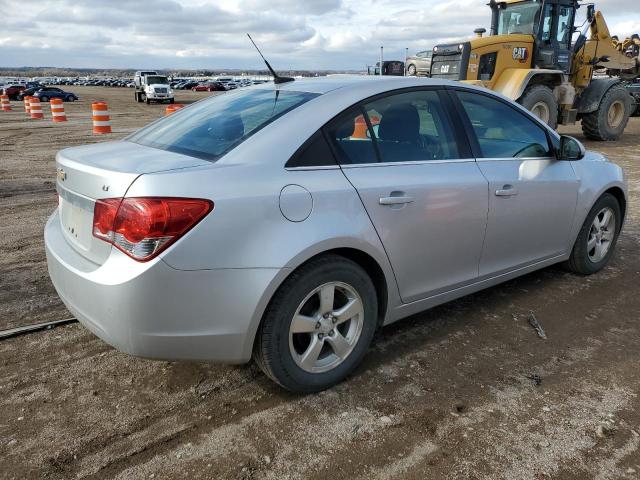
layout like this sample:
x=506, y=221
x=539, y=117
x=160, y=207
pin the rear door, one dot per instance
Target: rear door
x=532, y=195
x=426, y=197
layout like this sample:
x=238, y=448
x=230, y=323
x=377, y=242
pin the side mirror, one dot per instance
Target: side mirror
x=571, y=149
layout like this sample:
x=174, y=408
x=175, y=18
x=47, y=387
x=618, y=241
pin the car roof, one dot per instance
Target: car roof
x=324, y=85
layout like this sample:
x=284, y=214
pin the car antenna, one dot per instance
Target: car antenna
x=276, y=78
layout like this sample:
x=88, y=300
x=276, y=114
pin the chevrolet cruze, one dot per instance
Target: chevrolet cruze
x=288, y=222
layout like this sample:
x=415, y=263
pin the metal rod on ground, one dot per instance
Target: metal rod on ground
x=36, y=327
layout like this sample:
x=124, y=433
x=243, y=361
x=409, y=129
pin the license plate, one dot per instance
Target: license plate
x=76, y=223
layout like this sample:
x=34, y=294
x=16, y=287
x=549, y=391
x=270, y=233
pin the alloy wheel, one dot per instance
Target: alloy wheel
x=601, y=235
x=326, y=327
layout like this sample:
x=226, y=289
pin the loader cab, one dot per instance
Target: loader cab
x=550, y=22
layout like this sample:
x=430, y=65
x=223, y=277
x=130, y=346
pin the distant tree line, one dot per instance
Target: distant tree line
x=112, y=72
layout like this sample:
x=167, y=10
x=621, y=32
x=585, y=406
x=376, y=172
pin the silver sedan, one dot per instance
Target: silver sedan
x=288, y=223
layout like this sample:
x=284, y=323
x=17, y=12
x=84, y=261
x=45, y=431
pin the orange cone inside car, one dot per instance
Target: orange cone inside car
x=361, y=129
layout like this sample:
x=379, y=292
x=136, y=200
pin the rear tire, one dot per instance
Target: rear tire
x=411, y=70
x=609, y=121
x=540, y=100
x=44, y=99
x=285, y=355
x=584, y=259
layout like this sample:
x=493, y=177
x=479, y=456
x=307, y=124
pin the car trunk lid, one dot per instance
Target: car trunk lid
x=107, y=170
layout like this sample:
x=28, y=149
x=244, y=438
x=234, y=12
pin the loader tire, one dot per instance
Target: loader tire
x=610, y=119
x=540, y=100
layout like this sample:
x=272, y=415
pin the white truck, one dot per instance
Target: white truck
x=152, y=87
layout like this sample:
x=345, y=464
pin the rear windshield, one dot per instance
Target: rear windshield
x=211, y=128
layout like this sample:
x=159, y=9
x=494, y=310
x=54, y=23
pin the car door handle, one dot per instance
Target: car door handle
x=507, y=191
x=395, y=200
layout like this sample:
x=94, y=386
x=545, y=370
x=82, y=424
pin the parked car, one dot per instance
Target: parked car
x=187, y=85
x=47, y=93
x=209, y=87
x=260, y=224
x=13, y=91
x=27, y=92
x=420, y=63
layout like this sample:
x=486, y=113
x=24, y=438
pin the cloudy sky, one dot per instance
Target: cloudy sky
x=301, y=34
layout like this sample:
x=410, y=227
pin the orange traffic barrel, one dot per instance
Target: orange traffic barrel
x=27, y=105
x=35, y=108
x=172, y=108
x=101, y=120
x=57, y=110
x=4, y=103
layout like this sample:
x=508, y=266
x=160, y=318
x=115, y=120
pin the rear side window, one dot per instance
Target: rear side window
x=412, y=126
x=502, y=131
x=215, y=126
x=314, y=153
x=352, y=139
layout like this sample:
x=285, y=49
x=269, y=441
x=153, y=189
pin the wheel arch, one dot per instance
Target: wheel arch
x=618, y=193
x=381, y=281
x=591, y=98
x=513, y=82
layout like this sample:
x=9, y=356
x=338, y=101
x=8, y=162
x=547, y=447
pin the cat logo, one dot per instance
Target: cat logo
x=61, y=175
x=521, y=54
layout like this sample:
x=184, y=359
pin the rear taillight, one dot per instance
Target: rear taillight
x=143, y=227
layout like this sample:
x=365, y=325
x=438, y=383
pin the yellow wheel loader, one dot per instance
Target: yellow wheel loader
x=532, y=56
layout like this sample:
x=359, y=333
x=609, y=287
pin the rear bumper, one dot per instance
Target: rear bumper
x=155, y=311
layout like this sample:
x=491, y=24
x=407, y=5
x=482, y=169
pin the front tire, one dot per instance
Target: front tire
x=610, y=119
x=44, y=99
x=597, y=238
x=540, y=100
x=318, y=326
x=411, y=70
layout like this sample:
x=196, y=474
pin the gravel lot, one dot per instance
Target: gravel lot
x=466, y=390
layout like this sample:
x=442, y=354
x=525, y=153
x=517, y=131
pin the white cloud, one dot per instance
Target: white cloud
x=312, y=34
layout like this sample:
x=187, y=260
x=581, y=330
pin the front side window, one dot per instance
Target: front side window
x=502, y=131
x=213, y=127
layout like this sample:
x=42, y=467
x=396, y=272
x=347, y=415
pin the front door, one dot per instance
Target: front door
x=532, y=196
x=426, y=198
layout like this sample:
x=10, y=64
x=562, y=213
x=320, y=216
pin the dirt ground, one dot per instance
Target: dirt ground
x=466, y=390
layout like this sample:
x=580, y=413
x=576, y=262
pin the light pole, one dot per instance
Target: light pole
x=406, y=57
